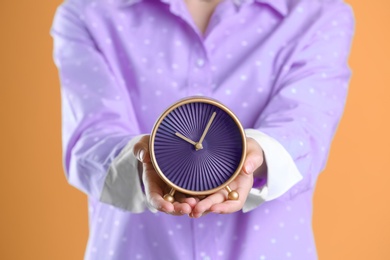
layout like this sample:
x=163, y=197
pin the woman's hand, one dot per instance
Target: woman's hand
x=217, y=202
x=155, y=188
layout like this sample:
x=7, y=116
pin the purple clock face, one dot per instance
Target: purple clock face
x=198, y=146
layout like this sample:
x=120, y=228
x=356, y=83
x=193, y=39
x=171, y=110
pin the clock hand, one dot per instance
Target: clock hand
x=185, y=138
x=199, y=146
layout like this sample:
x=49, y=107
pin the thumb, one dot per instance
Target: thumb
x=254, y=157
x=249, y=167
x=141, y=149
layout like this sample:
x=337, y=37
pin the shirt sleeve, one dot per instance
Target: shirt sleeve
x=282, y=173
x=97, y=112
x=309, y=96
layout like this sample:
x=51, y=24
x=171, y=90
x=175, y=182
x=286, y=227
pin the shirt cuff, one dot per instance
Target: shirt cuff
x=122, y=187
x=282, y=173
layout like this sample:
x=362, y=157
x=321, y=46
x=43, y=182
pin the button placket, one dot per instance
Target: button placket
x=198, y=78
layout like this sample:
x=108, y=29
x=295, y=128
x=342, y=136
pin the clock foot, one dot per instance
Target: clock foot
x=169, y=197
x=232, y=195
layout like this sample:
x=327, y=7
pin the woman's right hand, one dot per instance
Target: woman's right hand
x=155, y=187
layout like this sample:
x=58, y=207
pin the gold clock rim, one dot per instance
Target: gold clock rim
x=161, y=118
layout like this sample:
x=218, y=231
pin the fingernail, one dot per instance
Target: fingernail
x=141, y=155
x=168, y=212
x=249, y=168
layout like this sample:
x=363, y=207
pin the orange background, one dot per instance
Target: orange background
x=42, y=217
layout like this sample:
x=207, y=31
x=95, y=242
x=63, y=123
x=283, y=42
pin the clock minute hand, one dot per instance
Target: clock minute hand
x=199, y=146
x=185, y=138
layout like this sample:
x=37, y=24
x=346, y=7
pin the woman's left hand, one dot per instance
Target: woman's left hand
x=217, y=202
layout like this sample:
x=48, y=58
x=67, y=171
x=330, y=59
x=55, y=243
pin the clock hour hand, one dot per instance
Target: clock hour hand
x=185, y=138
x=199, y=146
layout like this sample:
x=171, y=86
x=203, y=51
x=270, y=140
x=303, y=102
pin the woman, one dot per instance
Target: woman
x=280, y=65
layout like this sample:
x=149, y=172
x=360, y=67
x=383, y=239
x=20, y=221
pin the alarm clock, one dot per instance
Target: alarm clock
x=197, y=147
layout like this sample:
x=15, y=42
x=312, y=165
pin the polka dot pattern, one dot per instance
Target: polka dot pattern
x=122, y=62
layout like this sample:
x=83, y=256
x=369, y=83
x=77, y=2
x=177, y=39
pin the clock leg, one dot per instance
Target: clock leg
x=233, y=195
x=169, y=197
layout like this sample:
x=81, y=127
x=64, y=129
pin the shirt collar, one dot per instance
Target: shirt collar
x=278, y=5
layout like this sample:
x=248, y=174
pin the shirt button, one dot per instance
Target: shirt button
x=200, y=63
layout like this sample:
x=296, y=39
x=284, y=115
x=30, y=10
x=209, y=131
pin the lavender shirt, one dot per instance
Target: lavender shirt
x=280, y=65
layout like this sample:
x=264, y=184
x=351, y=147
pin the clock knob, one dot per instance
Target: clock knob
x=169, y=196
x=232, y=195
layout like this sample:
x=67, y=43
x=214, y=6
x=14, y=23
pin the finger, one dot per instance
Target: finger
x=191, y=201
x=181, y=208
x=205, y=204
x=158, y=202
x=254, y=156
x=229, y=206
x=154, y=195
x=226, y=207
x=242, y=185
x=154, y=190
x=141, y=149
